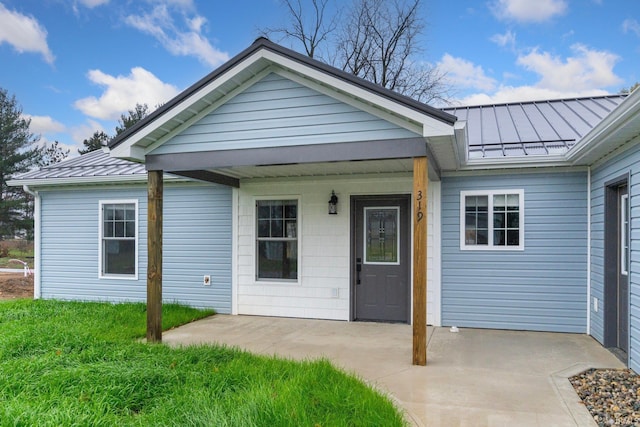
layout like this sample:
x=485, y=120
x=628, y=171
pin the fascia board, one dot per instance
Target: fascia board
x=431, y=126
x=515, y=162
x=622, y=114
x=89, y=180
x=128, y=152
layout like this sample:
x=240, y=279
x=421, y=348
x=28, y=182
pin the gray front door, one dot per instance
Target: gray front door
x=380, y=272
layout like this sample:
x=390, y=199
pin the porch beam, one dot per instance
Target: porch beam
x=154, y=262
x=296, y=154
x=208, y=176
x=420, y=199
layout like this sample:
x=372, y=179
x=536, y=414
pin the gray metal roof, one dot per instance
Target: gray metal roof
x=532, y=128
x=94, y=164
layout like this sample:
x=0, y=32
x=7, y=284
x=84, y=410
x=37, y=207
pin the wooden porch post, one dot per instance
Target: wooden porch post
x=154, y=250
x=420, y=186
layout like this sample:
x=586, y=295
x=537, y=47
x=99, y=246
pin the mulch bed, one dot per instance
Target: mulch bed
x=612, y=396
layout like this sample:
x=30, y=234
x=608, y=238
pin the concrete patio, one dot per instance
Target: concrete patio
x=473, y=377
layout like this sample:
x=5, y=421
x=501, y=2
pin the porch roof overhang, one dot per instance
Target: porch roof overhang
x=434, y=127
x=228, y=167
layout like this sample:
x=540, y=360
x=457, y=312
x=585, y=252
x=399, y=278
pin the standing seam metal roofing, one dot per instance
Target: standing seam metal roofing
x=93, y=164
x=534, y=128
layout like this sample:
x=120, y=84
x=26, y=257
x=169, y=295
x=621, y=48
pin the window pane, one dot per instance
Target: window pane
x=513, y=202
x=276, y=209
x=107, y=229
x=119, y=229
x=483, y=220
x=263, y=211
x=498, y=220
x=118, y=212
x=513, y=237
x=263, y=228
x=482, y=202
x=130, y=214
x=470, y=220
x=470, y=236
x=119, y=256
x=499, y=202
x=483, y=237
x=470, y=203
x=381, y=228
x=513, y=220
x=277, y=260
x=276, y=228
x=291, y=228
x=498, y=237
x=130, y=229
x=108, y=212
x=291, y=210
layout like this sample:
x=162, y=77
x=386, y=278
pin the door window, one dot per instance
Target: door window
x=381, y=235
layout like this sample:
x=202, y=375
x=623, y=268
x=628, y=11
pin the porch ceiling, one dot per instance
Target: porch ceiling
x=319, y=169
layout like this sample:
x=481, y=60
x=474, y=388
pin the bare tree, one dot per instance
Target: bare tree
x=378, y=40
x=311, y=33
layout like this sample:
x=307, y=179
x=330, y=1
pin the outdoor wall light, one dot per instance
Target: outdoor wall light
x=333, y=204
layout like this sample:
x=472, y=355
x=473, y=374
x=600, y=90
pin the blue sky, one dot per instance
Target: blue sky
x=76, y=65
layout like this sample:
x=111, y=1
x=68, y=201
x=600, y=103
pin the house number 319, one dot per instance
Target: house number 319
x=419, y=213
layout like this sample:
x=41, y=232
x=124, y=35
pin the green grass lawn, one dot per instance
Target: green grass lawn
x=71, y=363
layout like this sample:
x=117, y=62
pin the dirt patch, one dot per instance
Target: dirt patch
x=15, y=285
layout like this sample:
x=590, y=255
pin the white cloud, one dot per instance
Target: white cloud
x=528, y=10
x=462, y=73
x=44, y=124
x=631, y=25
x=188, y=41
x=24, y=33
x=122, y=93
x=92, y=3
x=85, y=131
x=506, y=94
x=507, y=39
x=585, y=70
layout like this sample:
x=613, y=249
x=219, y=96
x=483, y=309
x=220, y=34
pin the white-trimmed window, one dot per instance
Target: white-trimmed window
x=492, y=220
x=277, y=239
x=118, y=251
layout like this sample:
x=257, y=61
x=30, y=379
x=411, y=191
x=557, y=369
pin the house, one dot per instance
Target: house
x=521, y=216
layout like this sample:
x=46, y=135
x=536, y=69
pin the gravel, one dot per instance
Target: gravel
x=612, y=396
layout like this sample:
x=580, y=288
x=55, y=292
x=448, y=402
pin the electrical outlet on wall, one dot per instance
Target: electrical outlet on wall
x=206, y=281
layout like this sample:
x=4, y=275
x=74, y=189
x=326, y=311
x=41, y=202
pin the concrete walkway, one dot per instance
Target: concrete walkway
x=473, y=378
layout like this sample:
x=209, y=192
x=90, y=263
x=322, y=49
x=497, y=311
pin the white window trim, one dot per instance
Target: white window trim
x=490, y=246
x=101, y=203
x=289, y=282
x=364, y=235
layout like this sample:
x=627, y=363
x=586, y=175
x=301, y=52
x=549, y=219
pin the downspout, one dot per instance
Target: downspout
x=588, y=250
x=36, y=241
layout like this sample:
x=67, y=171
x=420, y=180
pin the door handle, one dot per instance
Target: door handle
x=358, y=270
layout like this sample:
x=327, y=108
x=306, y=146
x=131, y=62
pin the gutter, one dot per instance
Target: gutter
x=37, y=231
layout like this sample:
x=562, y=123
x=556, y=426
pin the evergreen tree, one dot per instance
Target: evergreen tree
x=18, y=153
x=96, y=142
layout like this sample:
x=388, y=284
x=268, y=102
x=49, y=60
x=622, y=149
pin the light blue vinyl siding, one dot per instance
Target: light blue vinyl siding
x=196, y=234
x=279, y=112
x=623, y=164
x=544, y=287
